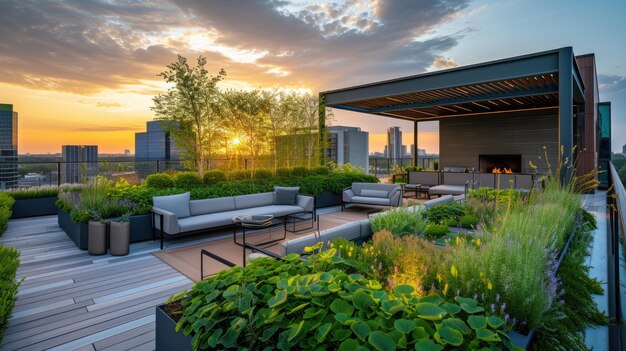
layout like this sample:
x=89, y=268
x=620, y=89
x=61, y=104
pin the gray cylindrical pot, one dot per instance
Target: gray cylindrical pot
x=120, y=238
x=97, y=242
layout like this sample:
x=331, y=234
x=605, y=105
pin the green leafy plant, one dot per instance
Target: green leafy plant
x=214, y=176
x=6, y=205
x=288, y=304
x=33, y=193
x=468, y=221
x=9, y=262
x=283, y=172
x=159, y=181
x=399, y=221
x=320, y=170
x=450, y=211
x=187, y=180
x=262, y=173
x=300, y=171
x=435, y=231
x=238, y=174
x=450, y=222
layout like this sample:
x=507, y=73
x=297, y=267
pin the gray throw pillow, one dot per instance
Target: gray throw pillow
x=286, y=195
x=177, y=204
x=374, y=193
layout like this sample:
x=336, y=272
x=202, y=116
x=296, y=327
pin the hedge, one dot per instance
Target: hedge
x=9, y=262
x=6, y=203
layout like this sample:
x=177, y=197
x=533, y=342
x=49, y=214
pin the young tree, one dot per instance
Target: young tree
x=190, y=110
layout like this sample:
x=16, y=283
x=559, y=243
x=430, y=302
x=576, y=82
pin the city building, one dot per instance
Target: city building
x=624, y=149
x=8, y=147
x=155, y=144
x=79, y=163
x=394, y=144
x=349, y=145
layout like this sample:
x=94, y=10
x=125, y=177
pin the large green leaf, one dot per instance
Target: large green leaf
x=231, y=291
x=471, y=309
x=393, y=306
x=434, y=299
x=349, y=345
x=342, y=306
x=452, y=308
x=404, y=290
x=361, y=329
x=295, y=330
x=457, y=324
x=362, y=300
x=381, y=342
x=427, y=345
x=487, y=335
x=429, y=311
x=404, y=325
x=450, y=336
x=495, y=322
x=322, y=332
x=477, y=322
x=279, y=298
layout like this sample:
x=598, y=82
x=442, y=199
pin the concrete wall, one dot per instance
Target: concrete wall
x=463, y=139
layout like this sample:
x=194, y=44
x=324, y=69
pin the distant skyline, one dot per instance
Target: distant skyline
x=84, y=72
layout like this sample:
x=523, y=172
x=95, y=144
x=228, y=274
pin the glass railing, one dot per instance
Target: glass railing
x=383, y=167
x=616, y=237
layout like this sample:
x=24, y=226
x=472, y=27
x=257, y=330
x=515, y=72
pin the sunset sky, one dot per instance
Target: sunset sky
x=85, y=71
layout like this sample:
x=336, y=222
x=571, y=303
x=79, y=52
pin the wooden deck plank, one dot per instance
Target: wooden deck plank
x=62, y=280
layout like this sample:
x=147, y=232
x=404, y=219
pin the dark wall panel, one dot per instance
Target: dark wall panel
x=463, y=139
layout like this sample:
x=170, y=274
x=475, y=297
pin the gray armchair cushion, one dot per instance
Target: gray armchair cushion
x=176, y=204
x=358, y=187
x=254, y=200
x=220, y=204
x=371, y=200
x=286, y=195
x=447, y=190
x=347, y=195
x=307, y=203
x=374, y=193
x=438, y=201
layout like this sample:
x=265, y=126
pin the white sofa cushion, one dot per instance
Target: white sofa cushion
x=254, y=200
x=206, y=206
x=374, y=193
x=371, y=200
x=177, y=204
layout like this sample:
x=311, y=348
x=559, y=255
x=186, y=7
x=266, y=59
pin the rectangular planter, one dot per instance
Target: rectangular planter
x=166, y=336
x=140, y=229
x=75, y=230
x=42, y=206
x=327, y=199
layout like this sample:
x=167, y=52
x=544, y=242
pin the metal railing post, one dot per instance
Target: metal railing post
x=157, y=166
x=58, y=173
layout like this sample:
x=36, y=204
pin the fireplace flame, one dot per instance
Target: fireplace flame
x=498, y=170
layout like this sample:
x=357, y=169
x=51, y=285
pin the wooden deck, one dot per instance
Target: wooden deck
x=72, y=301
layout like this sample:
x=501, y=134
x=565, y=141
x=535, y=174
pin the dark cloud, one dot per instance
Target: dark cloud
x=84, y=46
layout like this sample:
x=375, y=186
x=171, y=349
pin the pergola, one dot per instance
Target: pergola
x=545, y=80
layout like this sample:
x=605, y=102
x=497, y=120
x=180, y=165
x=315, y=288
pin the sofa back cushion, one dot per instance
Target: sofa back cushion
x=374, y=193
x=456, y=178
x=177, y=204
x=254, y=200
x=206, y=206
x=286, y=195
x=358, y=187
x=424, y=178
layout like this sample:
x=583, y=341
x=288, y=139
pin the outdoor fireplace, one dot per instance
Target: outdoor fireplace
x=500, y=163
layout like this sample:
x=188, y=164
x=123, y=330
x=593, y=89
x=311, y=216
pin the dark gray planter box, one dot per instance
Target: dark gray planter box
x=166, y=336
x=327, y=199
x=140, y=229
x=75, y=230
x=42, y=206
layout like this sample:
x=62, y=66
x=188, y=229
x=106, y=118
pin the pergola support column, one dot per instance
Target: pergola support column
x=322, y=129
x=566, y=113
x=415, y=144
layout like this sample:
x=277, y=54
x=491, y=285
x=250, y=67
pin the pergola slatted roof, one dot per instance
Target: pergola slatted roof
x=521, y=83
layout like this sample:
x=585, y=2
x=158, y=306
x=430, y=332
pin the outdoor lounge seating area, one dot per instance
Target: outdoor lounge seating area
x=372, y=194
x=458, y=183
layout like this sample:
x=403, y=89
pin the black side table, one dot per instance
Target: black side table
x=248, y=228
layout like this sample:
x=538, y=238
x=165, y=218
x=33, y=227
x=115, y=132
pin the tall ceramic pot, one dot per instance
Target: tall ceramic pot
x=97, y=241
x=120, y=238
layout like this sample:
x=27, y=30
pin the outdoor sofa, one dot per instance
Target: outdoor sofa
x=175, y=215
x=373, y=194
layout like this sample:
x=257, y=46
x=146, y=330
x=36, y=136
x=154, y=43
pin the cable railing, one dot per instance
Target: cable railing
x=616, y=237
x=384, y=167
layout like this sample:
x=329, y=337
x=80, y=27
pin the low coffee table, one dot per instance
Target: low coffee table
x=249, y=228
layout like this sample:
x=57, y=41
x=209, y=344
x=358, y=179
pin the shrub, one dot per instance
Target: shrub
x=283, y=172
x=187, y=180
x=436, y=231
x=399, y=221
x=320, y=170
x=214, y=176
x=6, y=204
x=450, y=222
x=291, y=305
x=34, y=193
x=238, y=174
x=159, y=181
x=439, y=213
x=300, y=171
x=468, y=221
x=262, y=173
x=9, y=262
